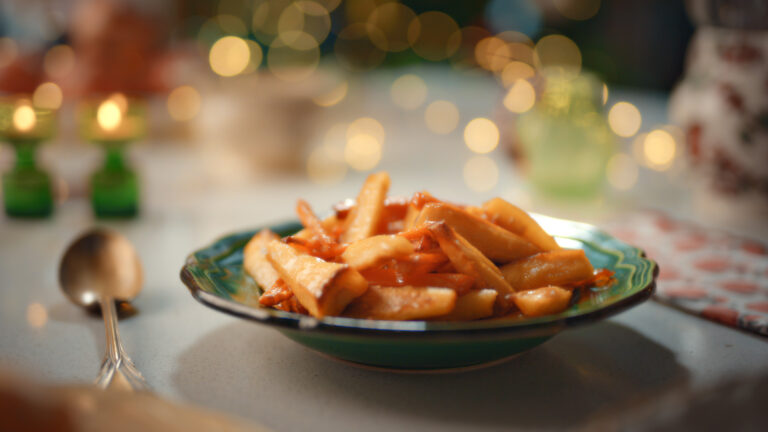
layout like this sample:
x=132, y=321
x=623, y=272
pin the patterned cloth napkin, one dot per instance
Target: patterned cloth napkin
x=710, y=273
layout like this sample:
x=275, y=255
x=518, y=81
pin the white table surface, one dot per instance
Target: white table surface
x=191, y=353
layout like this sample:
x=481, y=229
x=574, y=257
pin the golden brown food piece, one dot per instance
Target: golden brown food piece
x=277, y=293
x=311, y=222
x=469, y=260
x=364, y=218
x=512, y=218
x=410, y=217
x=331, y=224
x=473, y=305
x=542, y=301
x=255, y=259
x=561, y=267
x=323, y=288
x=496, y=243
x=370, y=251
x=402, y=303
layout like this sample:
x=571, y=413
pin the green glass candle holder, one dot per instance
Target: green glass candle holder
x=27, y=190
x=115, y=187
x=113, y=123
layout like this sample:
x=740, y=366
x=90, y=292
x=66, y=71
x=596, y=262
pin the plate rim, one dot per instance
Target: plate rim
x=541, y=326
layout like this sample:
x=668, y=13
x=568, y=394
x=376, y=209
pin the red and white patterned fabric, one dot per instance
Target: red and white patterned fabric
x=722, y=105
x=719, y=276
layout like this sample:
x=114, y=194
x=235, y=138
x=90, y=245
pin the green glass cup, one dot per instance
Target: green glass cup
x=113, y=123
x=565, y=139
x=27, y=191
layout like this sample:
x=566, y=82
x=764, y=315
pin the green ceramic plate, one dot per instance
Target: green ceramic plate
x=215, y=277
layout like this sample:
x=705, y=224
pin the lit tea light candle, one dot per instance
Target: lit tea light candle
x=109, y=116
x=115, y=119
x=24, y=119
x=24, y=122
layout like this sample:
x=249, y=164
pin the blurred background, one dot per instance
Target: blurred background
x=545, y=102
x=182, y=120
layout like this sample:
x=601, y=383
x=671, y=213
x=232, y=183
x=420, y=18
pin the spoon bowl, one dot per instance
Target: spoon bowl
x=100, y=263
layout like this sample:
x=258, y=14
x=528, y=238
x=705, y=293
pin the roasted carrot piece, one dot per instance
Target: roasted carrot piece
x=402, y=303
x=311, y=221
x=516, y=220
x=560, y=267
x=496, y=243
x=542, y=301
x=277, y=293
x=364, y=218
x=420, y=199
x=470, y=261
x=291, y=304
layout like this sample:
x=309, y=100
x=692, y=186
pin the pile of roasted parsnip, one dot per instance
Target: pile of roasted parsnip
x=419, y=258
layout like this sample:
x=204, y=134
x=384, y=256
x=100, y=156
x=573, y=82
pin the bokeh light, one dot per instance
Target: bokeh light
x=257, y=55
x=516, y=70
x=362, y=152
x=578, y=10
x=434, y=36
x=330, y=5
x=605, y=93
x=358, y=11
x=624, y=119
x=364, y=143
x=304, y=17
x=408, y=91
x=24, y=117
x=493, y=53
x=108, y=115
x=48, y=95
x=659, y=149
x=333, y=96
x=326, y=164
x=366, y=126
x=355, y=49
x=232, y=25
x=638, y=144
x=558, y=51
x=481, y=135
x=9, y=49
x=441, y=117
x=59, y=61
x=520, y=97
x=481, y=173
x=390, y=20
x=621, y=171
x=183, y=103
x=229, y=56
x=520, y=45
x=261, y=15
x=470, y=37
x=37, y=315
x=292, y=64
x=266, y=17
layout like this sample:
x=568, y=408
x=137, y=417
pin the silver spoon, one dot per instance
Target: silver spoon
x=99, y=267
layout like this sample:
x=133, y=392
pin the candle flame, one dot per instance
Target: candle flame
x=24, y=118
x=109, y=115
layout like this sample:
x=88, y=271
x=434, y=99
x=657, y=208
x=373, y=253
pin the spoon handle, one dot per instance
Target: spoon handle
x=116, y=364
